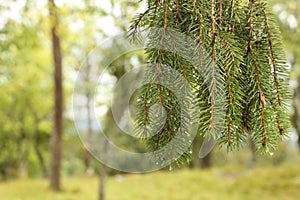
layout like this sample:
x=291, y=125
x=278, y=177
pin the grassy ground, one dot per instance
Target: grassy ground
x=282, y=183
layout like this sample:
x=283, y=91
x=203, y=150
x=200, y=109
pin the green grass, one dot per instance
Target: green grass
x=282, y=183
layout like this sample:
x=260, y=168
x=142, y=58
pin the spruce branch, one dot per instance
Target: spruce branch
x=237, y=69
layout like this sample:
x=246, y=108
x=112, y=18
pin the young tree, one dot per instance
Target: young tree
x=239, y=54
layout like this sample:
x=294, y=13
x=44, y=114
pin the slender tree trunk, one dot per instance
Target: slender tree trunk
x=206, y=161
x=56, y=137
x=195, y=156
x=39, y=153
x=102, y=182
x=87, y=155
x=103, y=174
x=87, y=162
x=23, y=168
x=23, y=155
x=197, y=162
x=37, y=141
x=41, y=160
x=112, y=129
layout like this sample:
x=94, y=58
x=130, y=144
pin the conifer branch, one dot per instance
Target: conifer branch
x=232, y=14
x=213, y=32
x=158, y=140
x=155, y=12
x=177, y=13
x=179, y=57
x=229, y=63
x=146, y=106
x=261, y=95
x=200, y=42
x=194, y=4
x=281, y=130
x=220, y=11
x=165, y=13
x=273, y=57
x=228, y=47
x=230, y=104
x=171, y=138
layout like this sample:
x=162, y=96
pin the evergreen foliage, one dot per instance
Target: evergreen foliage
x=239, y=54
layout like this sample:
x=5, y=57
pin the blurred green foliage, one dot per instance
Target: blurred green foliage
x=26, y=93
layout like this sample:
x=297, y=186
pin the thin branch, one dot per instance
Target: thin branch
x=177, y=13
x=165, y=14
x=201, y=41
x=261, y=95
x=220, y=11
x=179, y=58
x=230, y=104
x=226, y=43
x=213, y=32
x=232, y=13
x=155, y=11
x=171, y=139
x=281, y=130
x=146, y=106
x=273, y=58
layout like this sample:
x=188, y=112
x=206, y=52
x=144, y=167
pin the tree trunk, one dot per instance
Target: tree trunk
x=23, y=168
x=87, y=155
x=206, y=161
x=102, y=182
x=39, y=153
x=37, y=140
x=196, y=163
x=23, y=155
x=56, y=137
x=103, y=173
x=41, y=160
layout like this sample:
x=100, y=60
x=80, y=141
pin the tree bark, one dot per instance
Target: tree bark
x=23, y=154
x=102, y=182
x=103, y=174
x=87, y=155
x=56, y=137
x=196, y=163
x=39, y=153
x=37, y=140
x=206, y=161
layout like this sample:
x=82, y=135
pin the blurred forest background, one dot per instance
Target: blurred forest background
x=27, y=92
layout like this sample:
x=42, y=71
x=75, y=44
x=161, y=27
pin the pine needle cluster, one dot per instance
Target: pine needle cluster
x=241, y=76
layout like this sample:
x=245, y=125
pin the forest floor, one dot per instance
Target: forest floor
x=270, y=183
